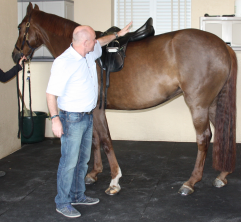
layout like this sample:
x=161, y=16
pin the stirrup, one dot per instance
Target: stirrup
x=113, y=48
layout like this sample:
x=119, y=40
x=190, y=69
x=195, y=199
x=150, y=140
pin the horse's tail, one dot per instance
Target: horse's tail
x=224, y=146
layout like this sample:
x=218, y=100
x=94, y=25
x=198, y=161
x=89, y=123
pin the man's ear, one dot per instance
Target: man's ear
x=85, y=43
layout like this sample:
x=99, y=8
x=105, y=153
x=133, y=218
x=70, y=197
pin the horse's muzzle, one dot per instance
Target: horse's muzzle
x=16, y=56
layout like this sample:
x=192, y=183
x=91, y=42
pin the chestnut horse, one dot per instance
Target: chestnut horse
x=191, y=62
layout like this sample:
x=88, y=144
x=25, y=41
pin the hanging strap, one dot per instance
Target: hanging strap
x=101, y=84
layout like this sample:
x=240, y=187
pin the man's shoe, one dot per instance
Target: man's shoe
x=2, y=173
x=86, y=201
x=68, y=211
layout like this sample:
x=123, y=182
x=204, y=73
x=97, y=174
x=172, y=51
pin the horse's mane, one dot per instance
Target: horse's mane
x=55, y=24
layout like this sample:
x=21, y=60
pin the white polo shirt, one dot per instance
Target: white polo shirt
x=74, y=80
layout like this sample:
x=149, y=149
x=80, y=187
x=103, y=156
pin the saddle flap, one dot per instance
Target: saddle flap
x=114, y=56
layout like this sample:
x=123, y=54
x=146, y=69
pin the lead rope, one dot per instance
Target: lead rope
x=20, y=121
x=17, y=83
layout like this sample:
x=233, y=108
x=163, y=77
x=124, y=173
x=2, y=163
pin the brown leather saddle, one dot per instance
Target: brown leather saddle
x=113, y=54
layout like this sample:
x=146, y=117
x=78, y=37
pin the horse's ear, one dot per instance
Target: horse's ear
x=36, y=7
x=29, y=8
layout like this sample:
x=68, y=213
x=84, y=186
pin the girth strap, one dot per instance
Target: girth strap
x=107, y=77
x=101, y=82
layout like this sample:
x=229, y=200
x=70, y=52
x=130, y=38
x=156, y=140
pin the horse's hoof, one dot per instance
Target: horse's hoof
x=219, y=183
x=185, y=190
x=89, y=180
x=112, y=190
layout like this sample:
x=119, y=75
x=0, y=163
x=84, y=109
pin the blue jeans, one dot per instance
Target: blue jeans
x=75, y=154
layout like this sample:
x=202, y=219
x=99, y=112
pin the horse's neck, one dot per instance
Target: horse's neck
x=56, y=44
x=53, y=39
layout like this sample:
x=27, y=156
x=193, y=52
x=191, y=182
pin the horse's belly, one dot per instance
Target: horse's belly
x=140, y=93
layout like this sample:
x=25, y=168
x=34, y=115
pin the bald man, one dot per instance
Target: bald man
x=74, y=81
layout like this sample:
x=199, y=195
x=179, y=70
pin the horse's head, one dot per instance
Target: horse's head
x=28, y=39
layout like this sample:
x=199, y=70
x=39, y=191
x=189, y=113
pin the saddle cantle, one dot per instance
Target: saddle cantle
x=113, y=54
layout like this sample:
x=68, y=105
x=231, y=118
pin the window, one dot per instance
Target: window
x=168, y=15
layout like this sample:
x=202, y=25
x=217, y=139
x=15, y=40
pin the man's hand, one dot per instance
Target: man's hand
x=125, y=30
x=57, y=127
x=21, y=60
x=108, y=38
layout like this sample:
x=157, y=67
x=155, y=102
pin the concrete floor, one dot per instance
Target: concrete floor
x=152, y=172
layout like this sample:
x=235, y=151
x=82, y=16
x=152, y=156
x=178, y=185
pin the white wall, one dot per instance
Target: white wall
x=168, y=122
x=40, y=73
x=8, y=94
x=212, y=7
x=96, y=14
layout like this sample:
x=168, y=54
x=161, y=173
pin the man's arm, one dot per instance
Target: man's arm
x=57, y=127
x=108, y=38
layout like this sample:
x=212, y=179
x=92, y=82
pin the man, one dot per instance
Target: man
x=74, y=80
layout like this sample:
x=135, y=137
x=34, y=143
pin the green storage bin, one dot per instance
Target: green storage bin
x=38, y=130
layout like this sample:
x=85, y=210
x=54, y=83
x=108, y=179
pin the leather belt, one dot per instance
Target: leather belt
x=88, y=113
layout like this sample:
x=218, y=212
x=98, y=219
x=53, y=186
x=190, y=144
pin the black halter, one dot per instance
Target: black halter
x=25, y=39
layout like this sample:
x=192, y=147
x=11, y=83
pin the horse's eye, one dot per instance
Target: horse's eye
x=19, y=28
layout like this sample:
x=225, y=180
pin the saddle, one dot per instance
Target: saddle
x=113, y=54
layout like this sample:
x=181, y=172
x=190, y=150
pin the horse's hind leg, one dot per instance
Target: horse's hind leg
x=221, y=180
x=203, y=137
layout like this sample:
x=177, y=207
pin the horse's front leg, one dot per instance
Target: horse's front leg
x=203, y=132
x=91, y=177
x=102, y=138
x=116, y=174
